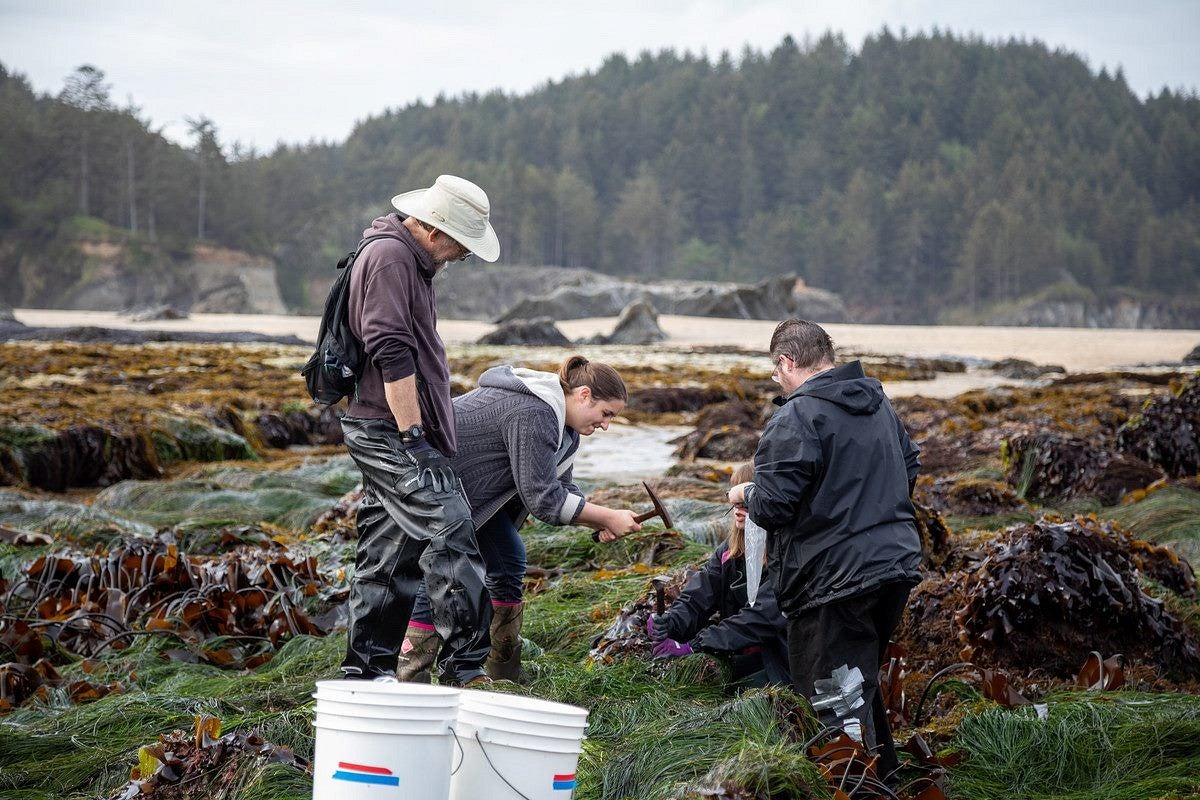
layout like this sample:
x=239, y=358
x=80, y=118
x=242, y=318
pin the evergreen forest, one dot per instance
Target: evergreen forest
x=917, y=173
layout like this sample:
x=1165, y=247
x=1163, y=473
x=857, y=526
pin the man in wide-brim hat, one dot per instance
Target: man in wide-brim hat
x=414, y=521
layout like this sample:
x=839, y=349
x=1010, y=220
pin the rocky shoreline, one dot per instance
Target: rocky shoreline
x=178, y=519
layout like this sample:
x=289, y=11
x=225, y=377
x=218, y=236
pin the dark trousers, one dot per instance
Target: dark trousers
x=404, y=535
x=852, y=632
x=503, y=553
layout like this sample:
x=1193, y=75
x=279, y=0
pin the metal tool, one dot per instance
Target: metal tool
x=660, y=594
x=660, y=511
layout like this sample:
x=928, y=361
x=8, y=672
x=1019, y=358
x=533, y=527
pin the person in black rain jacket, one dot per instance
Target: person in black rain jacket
x=751, y=636
x=833, y=475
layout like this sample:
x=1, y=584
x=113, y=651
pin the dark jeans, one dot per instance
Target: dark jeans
x=404, y=535
x=852, y=632
x=504, y=556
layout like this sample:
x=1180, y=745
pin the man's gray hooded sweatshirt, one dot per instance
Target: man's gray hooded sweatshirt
x=514, y=443
x=832, y=478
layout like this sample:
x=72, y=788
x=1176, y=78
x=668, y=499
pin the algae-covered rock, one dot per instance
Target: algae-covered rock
x=727, y=432
x=673, y=399
x=1048, y=465
x=539, y=331
x=181, y=439
x=81, y=455
x=971, y=497
x=1043, y=595
x=1052, y=591
x=1166, y=432
x=1020, y=369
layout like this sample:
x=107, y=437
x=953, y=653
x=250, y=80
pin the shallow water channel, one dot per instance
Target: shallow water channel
x=627, y=453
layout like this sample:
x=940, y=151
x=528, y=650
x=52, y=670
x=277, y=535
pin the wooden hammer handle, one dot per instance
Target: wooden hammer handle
x=639, y=519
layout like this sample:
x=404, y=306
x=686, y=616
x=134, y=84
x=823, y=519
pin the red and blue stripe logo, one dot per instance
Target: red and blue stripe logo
x=358, y=773
x=564, y=781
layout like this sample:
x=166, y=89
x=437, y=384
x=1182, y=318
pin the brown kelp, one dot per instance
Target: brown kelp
x=1043, y=595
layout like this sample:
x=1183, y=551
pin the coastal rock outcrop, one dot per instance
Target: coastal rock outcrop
x=540, y=332
x=508, y=293
x=208, y=279
x=1118, y=314
x=638, y=324
x=774, y=298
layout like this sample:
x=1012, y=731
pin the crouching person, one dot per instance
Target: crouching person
x=518, y=434
x=753, y=638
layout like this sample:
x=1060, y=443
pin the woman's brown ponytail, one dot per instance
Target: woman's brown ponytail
x=605, y=382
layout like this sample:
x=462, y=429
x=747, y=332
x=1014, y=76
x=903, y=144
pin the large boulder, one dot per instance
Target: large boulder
x=1047, y=465
x=156, y=313
x=539, y=332
x=638, y=324
x=1191, y=358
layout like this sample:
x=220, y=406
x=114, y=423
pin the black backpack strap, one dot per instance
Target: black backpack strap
x=352, y=256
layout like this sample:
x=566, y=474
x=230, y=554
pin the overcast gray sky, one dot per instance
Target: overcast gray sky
x=295, y=71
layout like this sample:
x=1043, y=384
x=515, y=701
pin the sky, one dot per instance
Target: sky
x=305, y=70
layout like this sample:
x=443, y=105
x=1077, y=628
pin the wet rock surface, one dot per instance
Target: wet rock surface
x=158, y=312
x=970, y=497
x=1019, y=369
x=728, y=431
x=14, y=331
x=540, y=331
x=638, y=324
x=74, y=414
x=1046, y=465
x=1166, y=431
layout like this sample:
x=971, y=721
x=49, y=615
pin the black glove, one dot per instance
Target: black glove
x=433, y=468
x=659, y=627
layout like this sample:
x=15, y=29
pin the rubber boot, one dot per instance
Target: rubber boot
x=504, y=659
x=417, y=654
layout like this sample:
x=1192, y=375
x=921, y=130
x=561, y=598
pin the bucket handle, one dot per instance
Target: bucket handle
x=486, y=757
x=461, y=755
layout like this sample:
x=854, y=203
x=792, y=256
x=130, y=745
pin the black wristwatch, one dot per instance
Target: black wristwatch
x=412, y=434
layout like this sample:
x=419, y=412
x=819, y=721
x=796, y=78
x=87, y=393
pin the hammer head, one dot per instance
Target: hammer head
x=659, y=508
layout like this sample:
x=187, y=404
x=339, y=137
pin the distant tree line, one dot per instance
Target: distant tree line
x=921, y=172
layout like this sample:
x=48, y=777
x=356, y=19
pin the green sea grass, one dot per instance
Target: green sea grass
x=1119, y=746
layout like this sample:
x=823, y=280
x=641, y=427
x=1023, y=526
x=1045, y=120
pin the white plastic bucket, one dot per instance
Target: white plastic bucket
x=377, y=741
x=516, y=748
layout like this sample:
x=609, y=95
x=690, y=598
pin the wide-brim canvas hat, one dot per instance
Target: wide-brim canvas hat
x=458, y=208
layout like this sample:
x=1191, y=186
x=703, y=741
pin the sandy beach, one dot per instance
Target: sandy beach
x=1077, y=349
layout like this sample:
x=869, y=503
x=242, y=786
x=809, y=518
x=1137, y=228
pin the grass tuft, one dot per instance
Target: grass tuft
x=1120, y=745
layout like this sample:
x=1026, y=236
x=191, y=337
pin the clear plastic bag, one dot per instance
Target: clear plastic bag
x=756, y=548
